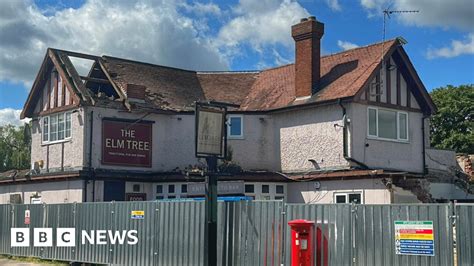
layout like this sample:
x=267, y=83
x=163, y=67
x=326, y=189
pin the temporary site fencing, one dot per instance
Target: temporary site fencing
x=249, y=232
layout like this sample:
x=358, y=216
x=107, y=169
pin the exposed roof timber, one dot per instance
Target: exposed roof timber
x=79, y=55
x=96, y=80
x=117, y=89
x=71, y=70
x=40, y=79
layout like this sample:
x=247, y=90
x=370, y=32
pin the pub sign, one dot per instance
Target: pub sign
x=127, y=142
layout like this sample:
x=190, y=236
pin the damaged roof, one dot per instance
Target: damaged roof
x=343, y=75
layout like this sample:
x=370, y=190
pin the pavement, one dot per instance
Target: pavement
x=8, y=262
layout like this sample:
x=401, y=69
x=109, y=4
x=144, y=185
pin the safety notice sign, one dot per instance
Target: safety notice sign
x=414, y=238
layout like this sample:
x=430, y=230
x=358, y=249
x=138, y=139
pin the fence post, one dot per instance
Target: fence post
x=283, y=209
x=353, y=232
x=454, y=229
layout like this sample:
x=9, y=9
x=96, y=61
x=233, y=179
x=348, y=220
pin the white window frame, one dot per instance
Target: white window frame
x=241, y=136
x=65, y=139
x=398, y=139
x=346, y=194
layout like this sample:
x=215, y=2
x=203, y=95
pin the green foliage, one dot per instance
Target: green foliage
x=453, y=125
x=14, y=147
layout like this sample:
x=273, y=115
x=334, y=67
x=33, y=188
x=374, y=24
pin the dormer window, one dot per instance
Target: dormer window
x=56, y=127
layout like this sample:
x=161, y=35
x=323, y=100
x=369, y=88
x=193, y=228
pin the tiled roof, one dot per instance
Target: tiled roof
x=342, y=75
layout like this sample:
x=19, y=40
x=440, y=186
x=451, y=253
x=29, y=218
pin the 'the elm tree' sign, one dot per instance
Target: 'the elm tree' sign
x=127, y=143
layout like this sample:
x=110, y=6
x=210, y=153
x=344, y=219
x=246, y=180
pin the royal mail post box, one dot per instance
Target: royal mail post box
x=302, y=241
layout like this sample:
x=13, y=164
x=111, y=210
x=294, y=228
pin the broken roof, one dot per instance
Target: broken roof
x=343, y=75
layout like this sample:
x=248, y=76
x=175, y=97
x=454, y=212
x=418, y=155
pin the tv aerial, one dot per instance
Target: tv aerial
x=386, y=15
x=387, y=12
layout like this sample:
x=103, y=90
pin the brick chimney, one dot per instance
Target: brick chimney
x=307, y=35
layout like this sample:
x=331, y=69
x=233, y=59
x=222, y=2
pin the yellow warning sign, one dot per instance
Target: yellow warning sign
x=137, y=215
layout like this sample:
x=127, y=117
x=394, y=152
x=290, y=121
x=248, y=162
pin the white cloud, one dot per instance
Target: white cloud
x=203, y=9
x=151, y=31
x=334, y=5
x=346, y=45
x=261, y=24
x=440, y=13
x=456, y=48
x=9, y=116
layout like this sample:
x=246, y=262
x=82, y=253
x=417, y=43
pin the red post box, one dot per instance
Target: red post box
x=302, y=242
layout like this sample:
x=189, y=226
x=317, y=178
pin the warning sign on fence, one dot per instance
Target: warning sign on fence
x=414, y=238
x=27, y=216
x=137, y=215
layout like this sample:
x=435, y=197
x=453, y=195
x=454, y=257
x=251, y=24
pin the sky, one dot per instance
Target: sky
x=225, y=35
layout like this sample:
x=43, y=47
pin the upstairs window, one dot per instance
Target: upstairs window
x=235, y=129
x=56, y=127
x=387, y=124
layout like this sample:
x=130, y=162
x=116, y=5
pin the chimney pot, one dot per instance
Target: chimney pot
x=303, y=19
x=307, y=35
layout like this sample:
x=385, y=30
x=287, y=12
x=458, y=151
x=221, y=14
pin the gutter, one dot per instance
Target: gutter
x=344, y=139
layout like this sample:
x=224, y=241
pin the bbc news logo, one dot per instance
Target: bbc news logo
x=66, y=237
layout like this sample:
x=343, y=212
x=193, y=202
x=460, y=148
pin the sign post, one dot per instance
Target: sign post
x=211, y=144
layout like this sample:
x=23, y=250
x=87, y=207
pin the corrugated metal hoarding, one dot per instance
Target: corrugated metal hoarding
x=465, y=234
x=249, y=232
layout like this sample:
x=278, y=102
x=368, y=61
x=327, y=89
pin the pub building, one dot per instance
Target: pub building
x=304, y=132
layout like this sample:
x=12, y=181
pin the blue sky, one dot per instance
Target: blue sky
x=225, y=35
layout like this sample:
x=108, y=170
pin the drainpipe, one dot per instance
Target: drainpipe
x=423, y=152
x=344, y=139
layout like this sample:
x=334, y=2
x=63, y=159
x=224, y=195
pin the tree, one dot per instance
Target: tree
x=14, y=147
x=452, y=127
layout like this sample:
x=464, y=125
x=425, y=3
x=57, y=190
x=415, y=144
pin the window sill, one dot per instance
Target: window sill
x=235, y=137
x=389, y=140
x=55, y=142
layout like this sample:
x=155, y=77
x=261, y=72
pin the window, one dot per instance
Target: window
x=159, y=197
x=136, y=188
x=235, y=126
x=57, y=127
x=279, y=189
x=355, y=197
x=159, y=189
x=249, y=189
x=184, y=188
x=387, y=124
x=46, y=129
x=265, y=189
x=279, y=197
x=170, y=189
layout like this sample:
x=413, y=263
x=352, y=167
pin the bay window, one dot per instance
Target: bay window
x=387, y=124
x=56, y=127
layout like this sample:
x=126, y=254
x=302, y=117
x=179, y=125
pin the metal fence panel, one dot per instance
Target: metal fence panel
x=92, y=217
x=249, y=233
x=334, y=223
x=180, y=234
x=5, y=225
x=465, y=234
x=375, y=233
